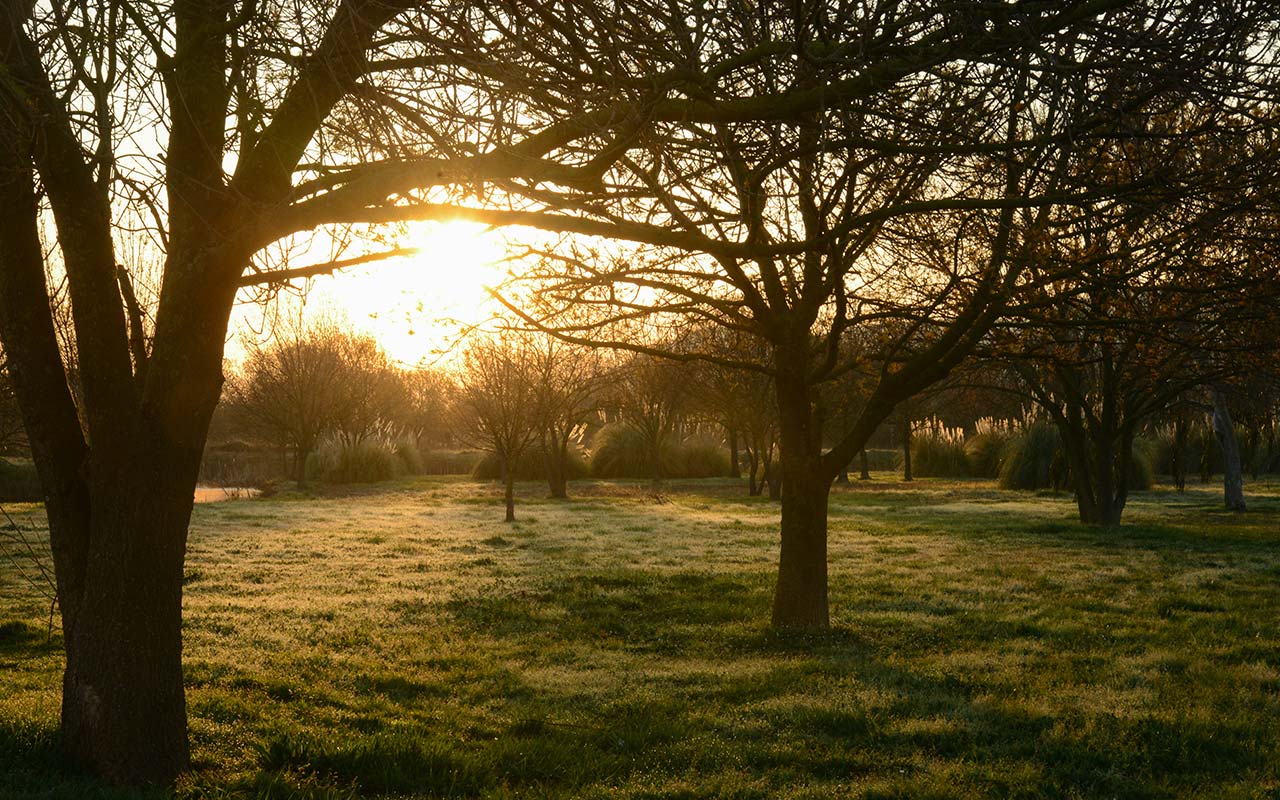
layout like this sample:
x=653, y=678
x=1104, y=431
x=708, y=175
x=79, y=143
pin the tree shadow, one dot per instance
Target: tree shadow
x=794, y=716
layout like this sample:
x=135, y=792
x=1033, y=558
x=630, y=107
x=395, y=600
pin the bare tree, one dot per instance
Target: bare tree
x=499, y=402
x=278, y=120
x=916, y=203
x=571, y=379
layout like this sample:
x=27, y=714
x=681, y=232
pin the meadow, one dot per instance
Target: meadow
x=402, y=641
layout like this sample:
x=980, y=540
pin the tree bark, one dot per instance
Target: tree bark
x=1179, y=454
x=123, y=709
x=1232, y=471
x=906, y=448
x=800, y=600
x=557, y=455
x=508, y=485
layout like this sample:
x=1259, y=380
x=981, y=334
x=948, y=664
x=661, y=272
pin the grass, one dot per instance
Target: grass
x=401, y=641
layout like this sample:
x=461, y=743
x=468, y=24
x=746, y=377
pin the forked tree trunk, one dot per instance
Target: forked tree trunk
x=800, y=600
x=1232, y=472
x=1100, y=465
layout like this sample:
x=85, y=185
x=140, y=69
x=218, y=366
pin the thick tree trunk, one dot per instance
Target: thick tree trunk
x=123, y=707
x=801, y=597
x=1232, y=472
x=1100, y=465
x=557, y=455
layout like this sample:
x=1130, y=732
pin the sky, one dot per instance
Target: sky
x=415, y=307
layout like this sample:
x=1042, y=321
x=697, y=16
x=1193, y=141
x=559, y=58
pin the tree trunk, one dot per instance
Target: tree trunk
x=1179, y=454
x=509, y=486
x=1100, y=462
x=801, y=597
x=864, y=465
x=1232, y=473
x=906, y=448
x=123, y=708
x=557, y=455
x=735, y=468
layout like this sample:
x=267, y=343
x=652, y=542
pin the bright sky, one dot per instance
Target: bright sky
x=415, y=307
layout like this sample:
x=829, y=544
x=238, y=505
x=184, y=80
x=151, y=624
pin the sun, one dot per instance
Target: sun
x=416, y=306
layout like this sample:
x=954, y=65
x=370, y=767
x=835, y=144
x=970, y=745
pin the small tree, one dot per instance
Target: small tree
x=290, y=389
x=499, y=407
x=570, y=380
x=651, y=396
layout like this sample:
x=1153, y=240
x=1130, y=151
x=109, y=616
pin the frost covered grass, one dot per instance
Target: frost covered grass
x=402, y=641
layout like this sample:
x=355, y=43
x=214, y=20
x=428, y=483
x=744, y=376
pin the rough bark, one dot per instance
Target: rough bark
x=1232, y=471
x=123, y=710
x=800, y=600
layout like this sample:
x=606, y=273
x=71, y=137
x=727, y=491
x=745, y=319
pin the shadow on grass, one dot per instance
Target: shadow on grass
x=789, y=718
x=669, y=613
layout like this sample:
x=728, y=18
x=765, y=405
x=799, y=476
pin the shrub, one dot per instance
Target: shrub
x=698, y=457
x=986, y=447
x=530, y=466
x=410, y=456
x=1033, y=459
x=938, y=451
x=450, y=462
x=1200, y=454
x=1036, y=459
x=367, y=461
x=618, y=451
x=19, y=483
x=879, y=459
x=1142, y=473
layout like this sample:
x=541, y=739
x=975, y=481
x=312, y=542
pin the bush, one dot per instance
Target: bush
x=367, y=461
x=698, y=457
x=938, y=451
x=19, y=483
x=1142, y=472
x=410, y=456
x=1036, y=459
x=450, y=462
x=878, y=459
x=1200, y=453
x=985, y=449
x=530, y=466
x=1033, y=459
x=618, y=451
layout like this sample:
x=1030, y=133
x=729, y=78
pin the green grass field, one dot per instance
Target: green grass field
x=402, y=641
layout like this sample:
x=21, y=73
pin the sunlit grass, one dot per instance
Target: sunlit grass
x=403, y=641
